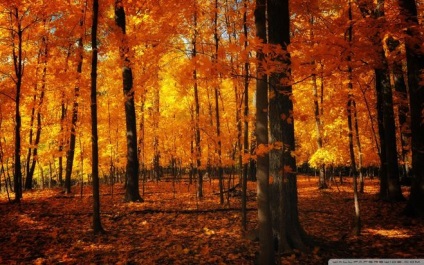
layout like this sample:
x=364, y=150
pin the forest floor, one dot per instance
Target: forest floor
x=173, y=227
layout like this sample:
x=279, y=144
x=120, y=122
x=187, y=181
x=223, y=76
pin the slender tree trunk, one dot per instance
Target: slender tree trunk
x=322, y=183
x=350, y=110
x=197, y=150
x=132, y=188
x=156, y=115
x=31, y=124
x=70, y=154
x=246, y=150
x=19, y=68
x=61, y=141
x=141, y=149
x=358, y=145
x=218, y=122
x=415, y=65
x=266, y=248
x=31, y=168
x=97, y=226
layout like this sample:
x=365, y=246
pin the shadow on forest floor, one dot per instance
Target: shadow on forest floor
x=173, y=227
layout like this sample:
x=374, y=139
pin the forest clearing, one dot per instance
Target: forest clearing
x=170, y=227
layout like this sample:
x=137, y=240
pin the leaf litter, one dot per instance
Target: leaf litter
x=178, y=228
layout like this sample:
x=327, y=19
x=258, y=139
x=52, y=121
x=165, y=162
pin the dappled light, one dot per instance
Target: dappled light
x=390, y=233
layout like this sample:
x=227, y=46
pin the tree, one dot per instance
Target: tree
x=390, y=186
x=218, y=122
x=18, y=23
x=266, y=254
x=415, y=68
x=70, y=154
x=33, y=149
x=97, y=225
x=132, y=188
x=197, y=150
x=246, y=150
x=282, y=162
x=351, y=114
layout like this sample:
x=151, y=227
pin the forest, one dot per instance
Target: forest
x=211, y=132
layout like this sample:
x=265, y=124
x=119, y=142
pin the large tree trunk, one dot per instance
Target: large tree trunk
x=415, y=65
x=97, y=226
x=284, y=208
x=132, y=188
x=389, y=173
x=266, y=246
x=403, y=106
x=389, y=180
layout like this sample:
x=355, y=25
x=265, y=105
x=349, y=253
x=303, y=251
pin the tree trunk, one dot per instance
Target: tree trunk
x=389, y=178
x=404, y=117
x=350, y=111
x=18, y=63
x=218, y=122
x=246, y=150
x=70, y=154
x=266, y=248
x=97, y=226
x=403, y=107
x=197, y=150
x=132, y=188
x=31, y=168
x=322, y=183
x=284, y=207
x=415, y=65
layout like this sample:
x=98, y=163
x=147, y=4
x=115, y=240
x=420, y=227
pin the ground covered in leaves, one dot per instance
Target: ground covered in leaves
x=173, y=227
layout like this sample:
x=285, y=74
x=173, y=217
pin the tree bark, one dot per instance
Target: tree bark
x=97, y=226
x=389, y=174
x=197, y=150
x=70, y=153
x=218, y=122
x=132, y=188
x=246, y=150
x=19, y=68
x=284, y=207
x=351, y=109
x=31, y=168
x=403, y=106
x=266, y=248
x=415, y=66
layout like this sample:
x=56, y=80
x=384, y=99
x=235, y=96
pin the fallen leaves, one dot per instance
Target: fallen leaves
x=50, y=229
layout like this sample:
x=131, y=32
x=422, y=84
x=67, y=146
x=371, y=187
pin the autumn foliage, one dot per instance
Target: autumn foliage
x=174, y=86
